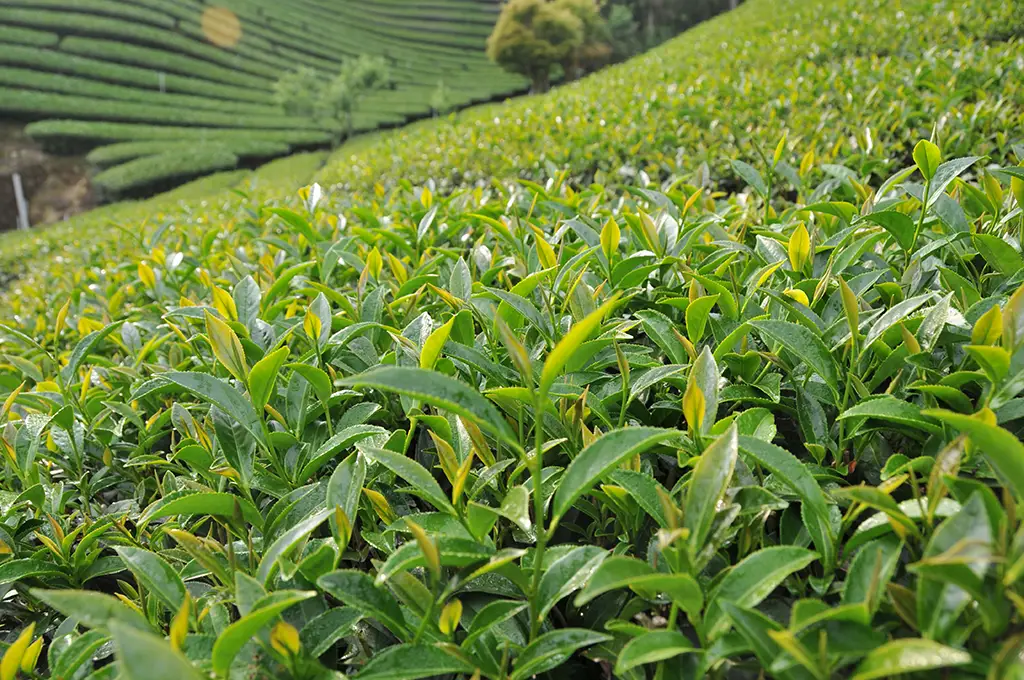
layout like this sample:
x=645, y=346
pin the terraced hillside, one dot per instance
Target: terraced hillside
x=164, y=90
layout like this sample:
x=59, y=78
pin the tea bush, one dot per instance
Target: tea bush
x=118, y=153
x=144, y=79
x=27, y=36
x=14, y=102
x=70, y=84
x=518, y=396
x=171, y=164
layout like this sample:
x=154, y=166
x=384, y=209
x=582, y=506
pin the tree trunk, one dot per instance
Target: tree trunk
x=540, y=81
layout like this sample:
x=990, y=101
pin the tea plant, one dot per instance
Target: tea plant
x=504, y=432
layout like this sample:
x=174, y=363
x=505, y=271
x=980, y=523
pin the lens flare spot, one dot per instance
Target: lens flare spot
x=221, y=26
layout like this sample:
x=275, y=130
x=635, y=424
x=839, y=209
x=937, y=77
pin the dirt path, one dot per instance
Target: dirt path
x=56, y=187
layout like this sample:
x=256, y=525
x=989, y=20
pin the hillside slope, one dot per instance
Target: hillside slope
x=726, y=89
x=158, y=80
x=730, y=88
x=708, y=366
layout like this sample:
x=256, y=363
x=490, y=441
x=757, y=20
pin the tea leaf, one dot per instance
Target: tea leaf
x=651, y=647
x=552, y=649
x=144, y=655
x=440, y=390
x=751, y=580
x=803, y=344
x=412, y=661
x=570, y=343
x=92, y=609
x=1003, y=451
x=598, y=459
x=909, y=656
x=235, y=636
x=356, y=589
x=708, y=485
x=154, y=572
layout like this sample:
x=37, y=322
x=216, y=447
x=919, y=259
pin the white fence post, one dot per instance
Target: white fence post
x=19, y=198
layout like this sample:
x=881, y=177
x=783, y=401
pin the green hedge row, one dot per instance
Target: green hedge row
x=14, y=102
x=99, y=132
x=113, y=154
x=178, y=9
x=255, y=41
x=163, y=167
x=351, y=38
x=47, y=60
x=284, y=32
x=396, y=34
x=489, y=9
x=471, y=43
x=410, y=13
x=56, y=82
x=120, y=10
x=27, y=36
x=160, y=61
x=449, y=22
x=75, y=23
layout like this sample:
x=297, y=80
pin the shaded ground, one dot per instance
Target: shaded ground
x=56, y=187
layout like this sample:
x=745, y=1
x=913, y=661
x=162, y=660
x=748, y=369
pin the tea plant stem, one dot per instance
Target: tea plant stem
x=854, y=358
x=920, y=220
x=625, y=404
x=538, y=512
x=424, y=621
x=673, y=614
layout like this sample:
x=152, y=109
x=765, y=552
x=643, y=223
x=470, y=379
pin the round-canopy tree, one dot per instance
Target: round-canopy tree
x=531, y=36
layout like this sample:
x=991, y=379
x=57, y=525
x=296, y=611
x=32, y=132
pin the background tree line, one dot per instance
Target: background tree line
x=542, y=39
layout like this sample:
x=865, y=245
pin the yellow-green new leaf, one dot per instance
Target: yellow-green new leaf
x=571, y=342
x=927, y=157
x=693, y=407
x=11, y=661
x=1013, y=320
x=450, y=617
x=284, y=637
x=227, y=347
x=433, y=344
x=799, y=247
x=701, y=410
x=850, y=306
x=610, y=236
x=263, y=377
x=988, y=328
x=427, y=547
